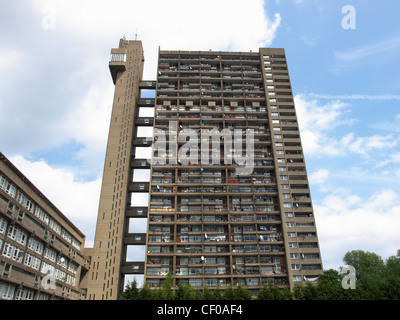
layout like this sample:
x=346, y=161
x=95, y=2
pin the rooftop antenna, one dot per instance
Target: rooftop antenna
x=136, y=35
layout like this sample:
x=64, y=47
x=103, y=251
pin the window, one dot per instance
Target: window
x=295, y=267
x=66, y=235
x=7, y=250
x=24, y=294
x=70, y=280
x=3, y=226
x=10, y=189
x=47, y=268
x=50, y=254
x=25, y=201
x=13, y=252
x=17, y=234
x=296, y=278
x=55, y=226
x=291, y=235
x=2, y=182
x=35, y=245
x=6, y=291
x=32, y=261
x=294, y=256
x=290, y=224
x=287, y=204
x=42, y=215
x=72, y=267
x=118, y=57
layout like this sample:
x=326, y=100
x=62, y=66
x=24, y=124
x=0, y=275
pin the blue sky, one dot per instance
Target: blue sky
x=56, y=94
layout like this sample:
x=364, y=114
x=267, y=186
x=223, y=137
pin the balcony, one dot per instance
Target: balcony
x=117, y=64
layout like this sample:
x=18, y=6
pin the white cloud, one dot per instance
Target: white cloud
x=88, y=123
x=349, y=222
x=369, y=50
x=78, y=201
x=172, y=25
x=319, y=176
x=316, y=120
x=379, y=97
x=366, y=145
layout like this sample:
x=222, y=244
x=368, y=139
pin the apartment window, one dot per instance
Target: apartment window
x=295, y=267
x=55, y=226
x=13, y=252
x=10, y=189
x=17, y=235
x=290, y=224
x=50, y=254
x=66, y=235
x=2, y=182
x=6, y=291
x=3, y=226
x=35, y=245
x=24, y=294
x=32, y=261
x=287, y=205
x=42, y=215
x=291, y=235
x=47, y=268
x=296, y=278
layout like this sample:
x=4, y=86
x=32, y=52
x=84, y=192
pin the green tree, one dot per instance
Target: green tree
x=273, y=292
x=131, y=291
x=229, y=293
x=185, y=293
x=330, y=286
x=145, y=293
x=217, y=294
x=207, y=294
x=242, y=293
x=367, y=264
x=166, y=292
